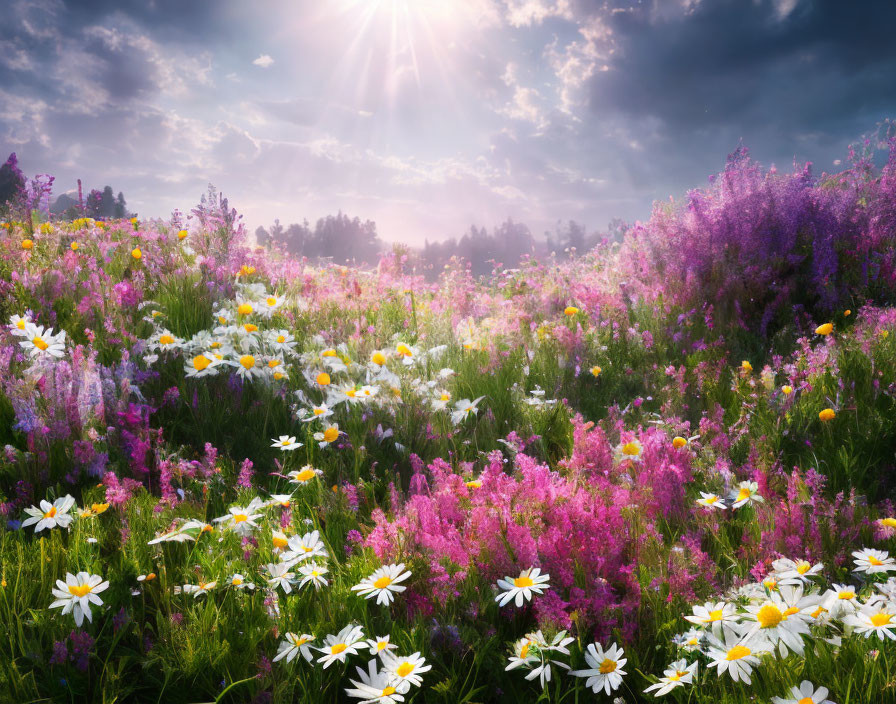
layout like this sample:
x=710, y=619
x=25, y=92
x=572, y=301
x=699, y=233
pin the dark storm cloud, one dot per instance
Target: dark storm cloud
x=825, y=66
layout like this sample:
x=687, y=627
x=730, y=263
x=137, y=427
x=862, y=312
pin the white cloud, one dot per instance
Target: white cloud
x=264, y=61
x=523, y=13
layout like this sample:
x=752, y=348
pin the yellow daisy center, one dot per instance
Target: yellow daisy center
x=323, y=379
x=404, y=669
x=200, y=362
x=803, y=567
x=240, y=518
x=523, y=581
x=51, y=513
x=39, y=343
x=872, y=560
x=20, y=324
x=305, y=475
x=378, y=358
x=403, y=350
x=281, y=339
x=271, y=301
x=79, y=590
x=744, y=493
x=382, y=582
x=331, y=433
x=888, y=522
x=737, y=652
x=166, y=340
x=280, y=542
x=338, y=648
x=631, y=448
x=769, y=616
x=607, y=666
x=387, y=691
x=715, y=616
x=881, y=619
x=244, y=309
x=237, y=581
x=806, y=700
x=248, y=361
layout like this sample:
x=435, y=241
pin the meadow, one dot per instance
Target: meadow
x=664, y=468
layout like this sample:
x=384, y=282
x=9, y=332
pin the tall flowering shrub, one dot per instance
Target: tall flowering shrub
x=758, y=242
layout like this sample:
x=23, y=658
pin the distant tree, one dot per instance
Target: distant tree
x=12, y=182
x=94, y=204
x=261, y=236
x=121, y=208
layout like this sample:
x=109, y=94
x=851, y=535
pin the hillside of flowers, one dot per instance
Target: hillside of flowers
x=663, y=469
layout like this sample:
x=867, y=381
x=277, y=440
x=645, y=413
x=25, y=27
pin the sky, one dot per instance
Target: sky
x=429, y=116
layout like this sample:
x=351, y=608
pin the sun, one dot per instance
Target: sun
x=387, y=46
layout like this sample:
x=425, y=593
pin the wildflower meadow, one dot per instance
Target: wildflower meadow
x=664, y=468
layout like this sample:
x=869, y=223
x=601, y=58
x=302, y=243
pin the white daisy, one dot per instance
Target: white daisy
x=781, y=620
x=286, y=442
x=241, y=520
x=405, y=671
x=520, y=589
x=380, y=645
x=630, y=451
x=711, y=500
x=805, y=694
x=293, y=645
x=874, y=619
x=304, y=475
x=77, y=593
x=197, y=590
x=375, y=686
x=329, y=435
x=841, y=600
x=18, y=325
x=524, y=653
x=465, y=408
x=604, y=668
x=383, y=583
x=305, y=547
x=790, y=571
x=280, y=576
x=735, y=658
x=238, y=581
x=247, y=366
x=313, y=573
x=745, y=493
x=689, y=641
x=715, y=617
x=202, y=364
x=40, y=341
x=339, y=646
x=50, y=515
x=871, y=561
x=678, y=674
x=317, y=413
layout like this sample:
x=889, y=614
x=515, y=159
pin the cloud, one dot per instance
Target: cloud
x=538, y=109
